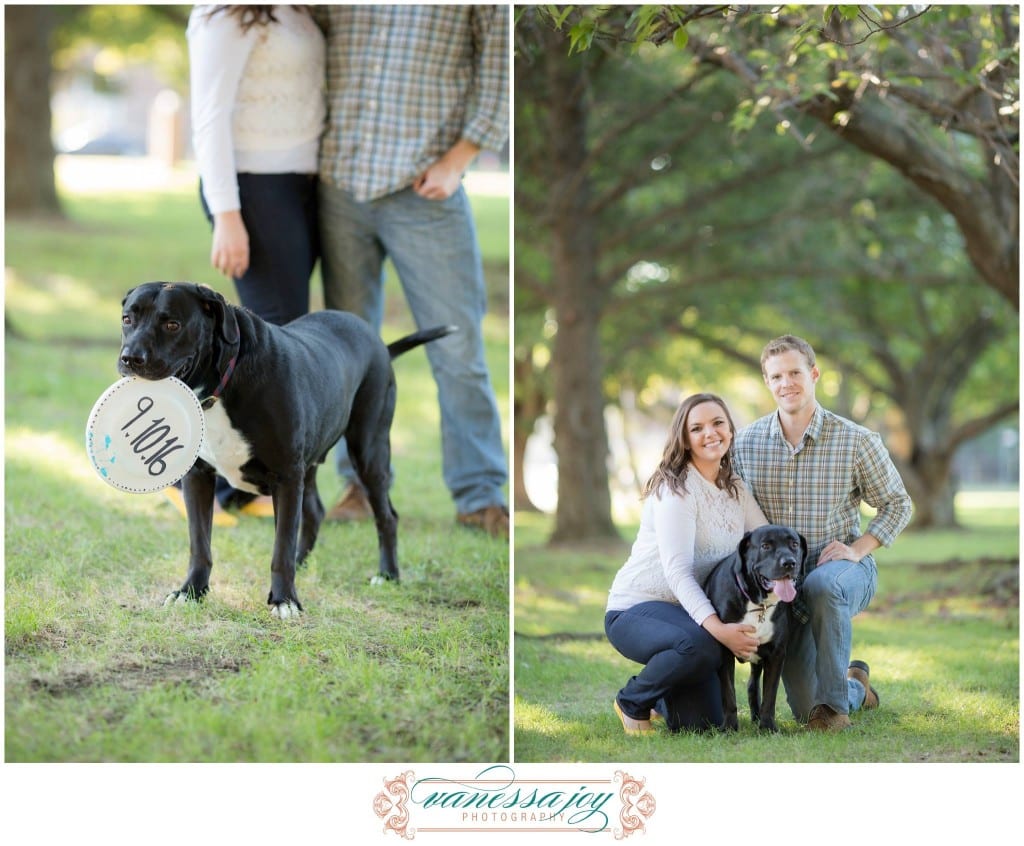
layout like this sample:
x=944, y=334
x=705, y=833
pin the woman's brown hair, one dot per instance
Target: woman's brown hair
x=248, y=16
x=676, y=457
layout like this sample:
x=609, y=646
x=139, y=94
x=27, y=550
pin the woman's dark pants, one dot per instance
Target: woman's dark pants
x=681, y=661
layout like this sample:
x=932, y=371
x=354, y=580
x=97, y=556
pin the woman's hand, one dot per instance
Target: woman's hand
x=738, y=638
x=230, y=251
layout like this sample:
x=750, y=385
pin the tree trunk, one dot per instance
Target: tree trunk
x=581, y=440
x=520, y=496
x=928, y=479
x=28, y=153
x=527, y=407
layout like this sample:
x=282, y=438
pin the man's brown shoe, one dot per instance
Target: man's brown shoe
x=493, y=519
x=860, y=671
x=353, y=505
x=823, y=718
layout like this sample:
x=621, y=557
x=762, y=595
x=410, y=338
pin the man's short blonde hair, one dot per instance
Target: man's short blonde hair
x=785, y=343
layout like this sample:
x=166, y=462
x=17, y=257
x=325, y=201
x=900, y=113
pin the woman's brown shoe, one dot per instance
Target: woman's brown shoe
x=631, y=726
x=262, y=506
x=220, y=517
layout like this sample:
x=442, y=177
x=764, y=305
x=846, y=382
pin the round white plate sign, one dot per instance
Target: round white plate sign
x=143, y=436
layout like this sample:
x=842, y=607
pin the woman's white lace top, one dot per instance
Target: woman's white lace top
x=258, y=102
x=680, y=540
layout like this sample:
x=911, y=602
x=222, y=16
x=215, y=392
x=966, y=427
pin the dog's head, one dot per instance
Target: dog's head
x=169, y=329
x=772, y=559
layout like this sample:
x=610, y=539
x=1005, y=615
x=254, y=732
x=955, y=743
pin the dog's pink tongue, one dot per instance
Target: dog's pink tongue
x=785, y=590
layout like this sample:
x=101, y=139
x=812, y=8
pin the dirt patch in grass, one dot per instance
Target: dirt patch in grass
x=448, y=602
x=999, y=577
x=982, y=587
x=46, y=638
x=135, y=676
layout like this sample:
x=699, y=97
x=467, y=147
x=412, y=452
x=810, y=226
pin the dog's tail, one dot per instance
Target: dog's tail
x=396, y=348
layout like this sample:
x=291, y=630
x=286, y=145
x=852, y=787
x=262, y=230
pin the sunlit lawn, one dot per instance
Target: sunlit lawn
x=941, y=637
x=97, y=670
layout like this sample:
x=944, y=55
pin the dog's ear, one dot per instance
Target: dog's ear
x=804, y=548
x=223, y=317
x=744, y=545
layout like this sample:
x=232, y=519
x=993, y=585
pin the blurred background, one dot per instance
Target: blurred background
x=117, y=77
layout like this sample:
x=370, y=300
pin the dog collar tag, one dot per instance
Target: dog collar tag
x=143, y=436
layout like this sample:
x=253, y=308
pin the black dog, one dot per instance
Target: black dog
x=276, y=400
x=755, y=585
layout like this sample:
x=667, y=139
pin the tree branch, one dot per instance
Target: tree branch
x=979, y=425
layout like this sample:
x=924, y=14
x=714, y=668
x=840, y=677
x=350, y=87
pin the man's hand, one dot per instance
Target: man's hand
x=438, y=182
x=442, y=178
x=837, y=551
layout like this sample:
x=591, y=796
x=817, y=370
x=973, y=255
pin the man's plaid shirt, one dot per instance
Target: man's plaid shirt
x=818, y=486
x=405, y=83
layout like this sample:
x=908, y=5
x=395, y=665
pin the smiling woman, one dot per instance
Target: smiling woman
x=657, y=613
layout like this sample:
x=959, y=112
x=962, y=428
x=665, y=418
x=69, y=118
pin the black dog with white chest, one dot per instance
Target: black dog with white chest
x=276, y=399
x=754, y=585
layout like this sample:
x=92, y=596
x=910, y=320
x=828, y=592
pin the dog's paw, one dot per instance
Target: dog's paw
x=287, y=610
x=383, y=580
x=182, y=597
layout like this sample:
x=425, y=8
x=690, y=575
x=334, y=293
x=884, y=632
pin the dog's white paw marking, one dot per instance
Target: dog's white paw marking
x=286, y=611
x=178, y=597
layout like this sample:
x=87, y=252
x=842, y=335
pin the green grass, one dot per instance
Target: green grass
x=98, y=670
x=941, y=636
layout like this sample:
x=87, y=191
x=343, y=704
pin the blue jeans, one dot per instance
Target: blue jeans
x=433, y=247
x=818, y=655
x=680, y=676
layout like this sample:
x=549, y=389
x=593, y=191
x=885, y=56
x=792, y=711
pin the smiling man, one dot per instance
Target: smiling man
x=810, y=469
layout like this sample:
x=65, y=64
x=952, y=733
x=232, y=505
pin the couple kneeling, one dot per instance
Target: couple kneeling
x=802, y=467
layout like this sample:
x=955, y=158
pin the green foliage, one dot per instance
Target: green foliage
x=581, y=35
x=123, y=35
x=714, y=234
x=96, y=668
x=849, y=13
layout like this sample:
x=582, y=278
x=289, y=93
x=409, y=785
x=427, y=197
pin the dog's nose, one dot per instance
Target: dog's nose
x=788, y=563
x=132, y=360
